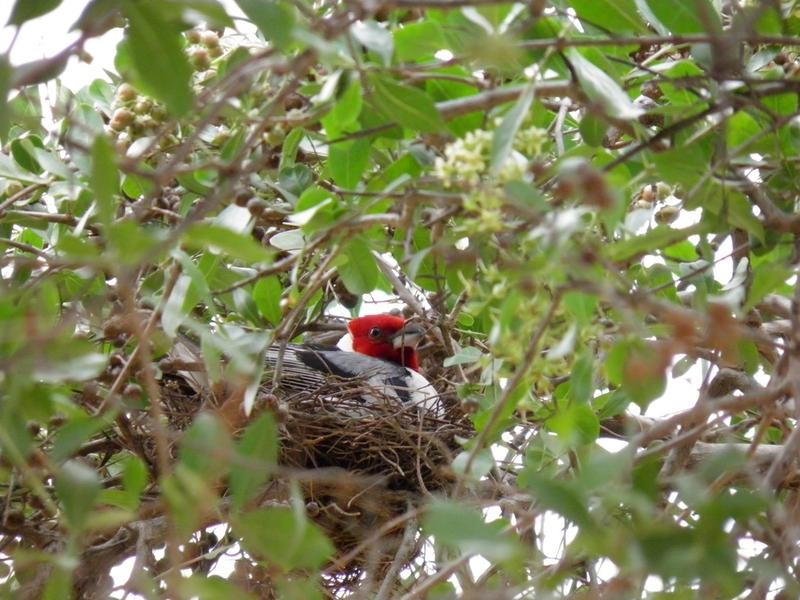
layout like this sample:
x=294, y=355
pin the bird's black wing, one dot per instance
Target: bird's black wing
x=308, y=368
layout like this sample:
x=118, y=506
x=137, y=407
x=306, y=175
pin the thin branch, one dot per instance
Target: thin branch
x=653, y=40
x=483, y=101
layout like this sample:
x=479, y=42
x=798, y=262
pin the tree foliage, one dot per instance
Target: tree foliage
x=591, y=204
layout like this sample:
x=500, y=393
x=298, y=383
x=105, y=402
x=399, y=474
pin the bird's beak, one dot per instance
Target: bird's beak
x=409, y=336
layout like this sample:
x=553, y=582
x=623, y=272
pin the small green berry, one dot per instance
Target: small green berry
x=126, y=92
x=210, y=39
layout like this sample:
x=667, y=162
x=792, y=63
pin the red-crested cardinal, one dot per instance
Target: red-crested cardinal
x=383, y=361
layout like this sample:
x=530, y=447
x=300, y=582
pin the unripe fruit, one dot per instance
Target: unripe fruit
x=126, y=92
x=142, y=106
x=663, y=190
x=210, y=39
x=121, y=118
x=200, y=59
x=158, y=112
x=667, y=214
x=193, y=36
x=13, y=187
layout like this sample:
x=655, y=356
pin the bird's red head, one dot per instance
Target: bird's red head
x=388, y=337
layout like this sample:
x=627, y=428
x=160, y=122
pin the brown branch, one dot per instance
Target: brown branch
x=663, y=135
x=483, y=101
x=774, y=218
x=62, y=219
x=729, y=404
x=432, y=4
x=20, y=195
x=653, y=40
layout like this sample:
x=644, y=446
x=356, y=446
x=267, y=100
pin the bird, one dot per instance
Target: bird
x=378, y=358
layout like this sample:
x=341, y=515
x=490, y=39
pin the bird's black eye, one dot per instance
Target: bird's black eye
x=375, y=332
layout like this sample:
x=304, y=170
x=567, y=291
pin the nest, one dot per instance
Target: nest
x=360, y=465
x=386, y=457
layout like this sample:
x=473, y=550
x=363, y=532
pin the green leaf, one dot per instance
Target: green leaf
x=78, y=248
x=289, y=241
x=74, y=433
x=11, y=170
x=740, y=214
x=24, y=152
x=465, y=529
x=660, y=279
x=71, y=366
x=464, y=356
x=685, y=16
x=481, y=464
x=156, y=49
x=283, y=538
x=198, y=290
x=419, y=41
x=267, y=296
x=134, y=478
x=374, y=37
x=295, y=588
x=581, y=384
x=175, y=309
x=275, y=20
x=558, y=496
x=104, y=179
x=615, y=15
x=680, y=368
x=638, y=368
x=52, y=163
x=741, y=127
x=611, y=404
x=345, y=112
x=767, y=278
x=441, y=90
x=359, y=273
x=658, y=237
x=682, y=252
x=289, y=149
x=200, y=181
x=295, y=179
x=6, y=71
x=222, y=239
x=347, y=161
x=316, y=208
x=26, y=10
x=410, y=107
x=256, y=456
x=581, y=305
x=212, y=587
x=682, y=164
x=134, y=186
x=503, y=138
x=601, y=88
x=204, y=447
x=576, y=424
x=593, y=130
x=188, y=494
x=77, y=486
